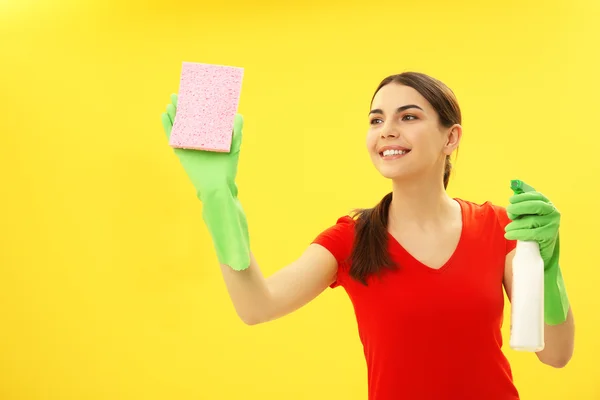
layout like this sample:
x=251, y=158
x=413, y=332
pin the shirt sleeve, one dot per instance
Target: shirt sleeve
x=503, y=220
x=338, y=240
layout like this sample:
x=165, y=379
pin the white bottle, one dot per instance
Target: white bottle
x=527, y=313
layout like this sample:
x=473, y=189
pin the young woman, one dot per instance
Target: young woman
x=425, y=272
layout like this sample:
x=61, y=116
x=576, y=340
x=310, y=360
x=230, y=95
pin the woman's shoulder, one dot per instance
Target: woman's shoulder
x=343, y=226
x=480, y=205
x=338, y=238
x=347, y=221
x=484, y=210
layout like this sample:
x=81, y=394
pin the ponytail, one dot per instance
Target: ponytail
x=447, y=171
x=370, y=253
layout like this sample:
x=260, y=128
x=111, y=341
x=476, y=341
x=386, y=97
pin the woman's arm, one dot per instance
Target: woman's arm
x=258, y=299
x=559, y=339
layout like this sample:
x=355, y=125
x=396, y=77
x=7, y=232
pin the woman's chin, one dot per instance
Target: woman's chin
x=398, y=174
x=391, y=174
x=394, y=172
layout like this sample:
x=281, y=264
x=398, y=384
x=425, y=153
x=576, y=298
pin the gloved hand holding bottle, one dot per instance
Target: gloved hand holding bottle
x=535, y=218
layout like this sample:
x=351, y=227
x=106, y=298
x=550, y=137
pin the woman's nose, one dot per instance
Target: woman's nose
x=389, y=132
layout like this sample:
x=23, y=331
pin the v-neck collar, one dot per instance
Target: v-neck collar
x=395, y=244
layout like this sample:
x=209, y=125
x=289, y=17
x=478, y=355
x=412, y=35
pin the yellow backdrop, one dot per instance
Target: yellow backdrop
x=109, y=287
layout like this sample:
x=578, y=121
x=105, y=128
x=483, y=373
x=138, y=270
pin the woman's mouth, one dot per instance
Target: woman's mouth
x=393, y=154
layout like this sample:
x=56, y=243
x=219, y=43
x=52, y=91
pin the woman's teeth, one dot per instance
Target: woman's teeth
x=388, y=153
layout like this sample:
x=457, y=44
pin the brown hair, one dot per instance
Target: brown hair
x=369, y=254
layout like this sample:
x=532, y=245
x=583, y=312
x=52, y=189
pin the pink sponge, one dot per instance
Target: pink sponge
x=207, y=103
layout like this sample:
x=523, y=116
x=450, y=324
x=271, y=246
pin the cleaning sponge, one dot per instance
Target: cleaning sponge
x=207, y=104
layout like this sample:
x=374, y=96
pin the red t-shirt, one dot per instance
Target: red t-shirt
x=434, y=334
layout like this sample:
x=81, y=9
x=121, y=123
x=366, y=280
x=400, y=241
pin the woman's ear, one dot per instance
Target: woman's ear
x=453, y=136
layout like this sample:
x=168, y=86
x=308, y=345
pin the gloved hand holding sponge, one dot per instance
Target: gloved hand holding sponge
x=213, y=176
x=534, y=218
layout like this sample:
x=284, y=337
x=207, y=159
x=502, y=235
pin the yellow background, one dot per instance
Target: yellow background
x=109, y=287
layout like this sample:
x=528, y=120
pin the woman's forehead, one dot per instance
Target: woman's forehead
x=395, y=95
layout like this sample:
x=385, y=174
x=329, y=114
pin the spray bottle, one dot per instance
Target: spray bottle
x=527, y=314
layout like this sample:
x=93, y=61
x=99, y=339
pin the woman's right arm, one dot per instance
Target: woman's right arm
x=258, y=299
x=255, y=298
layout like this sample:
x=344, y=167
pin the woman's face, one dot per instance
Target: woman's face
x=405, y=138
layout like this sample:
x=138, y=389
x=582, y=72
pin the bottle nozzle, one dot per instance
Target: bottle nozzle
x=519, y=187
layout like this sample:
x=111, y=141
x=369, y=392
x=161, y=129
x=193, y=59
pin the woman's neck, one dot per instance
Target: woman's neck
x=420, y=203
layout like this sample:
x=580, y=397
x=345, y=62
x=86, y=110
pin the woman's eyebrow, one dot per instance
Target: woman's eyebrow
x=399, y=109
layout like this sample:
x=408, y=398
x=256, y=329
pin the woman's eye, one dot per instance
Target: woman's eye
x=376, y=121
x=409, y=117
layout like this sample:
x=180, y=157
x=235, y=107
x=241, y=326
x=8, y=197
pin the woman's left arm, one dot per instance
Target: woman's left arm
x=535, y=218
x=559, y=339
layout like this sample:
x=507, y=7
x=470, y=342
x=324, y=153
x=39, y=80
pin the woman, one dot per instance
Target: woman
x=425, y=272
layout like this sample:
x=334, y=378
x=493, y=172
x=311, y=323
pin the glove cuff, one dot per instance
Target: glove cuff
x=556, y=302
x=226, y=221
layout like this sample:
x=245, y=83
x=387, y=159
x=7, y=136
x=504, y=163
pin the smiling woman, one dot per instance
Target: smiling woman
x=424, y=271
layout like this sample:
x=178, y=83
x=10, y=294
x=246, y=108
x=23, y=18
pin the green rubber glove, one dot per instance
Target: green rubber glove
x=213, y=176
x=534, y=218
